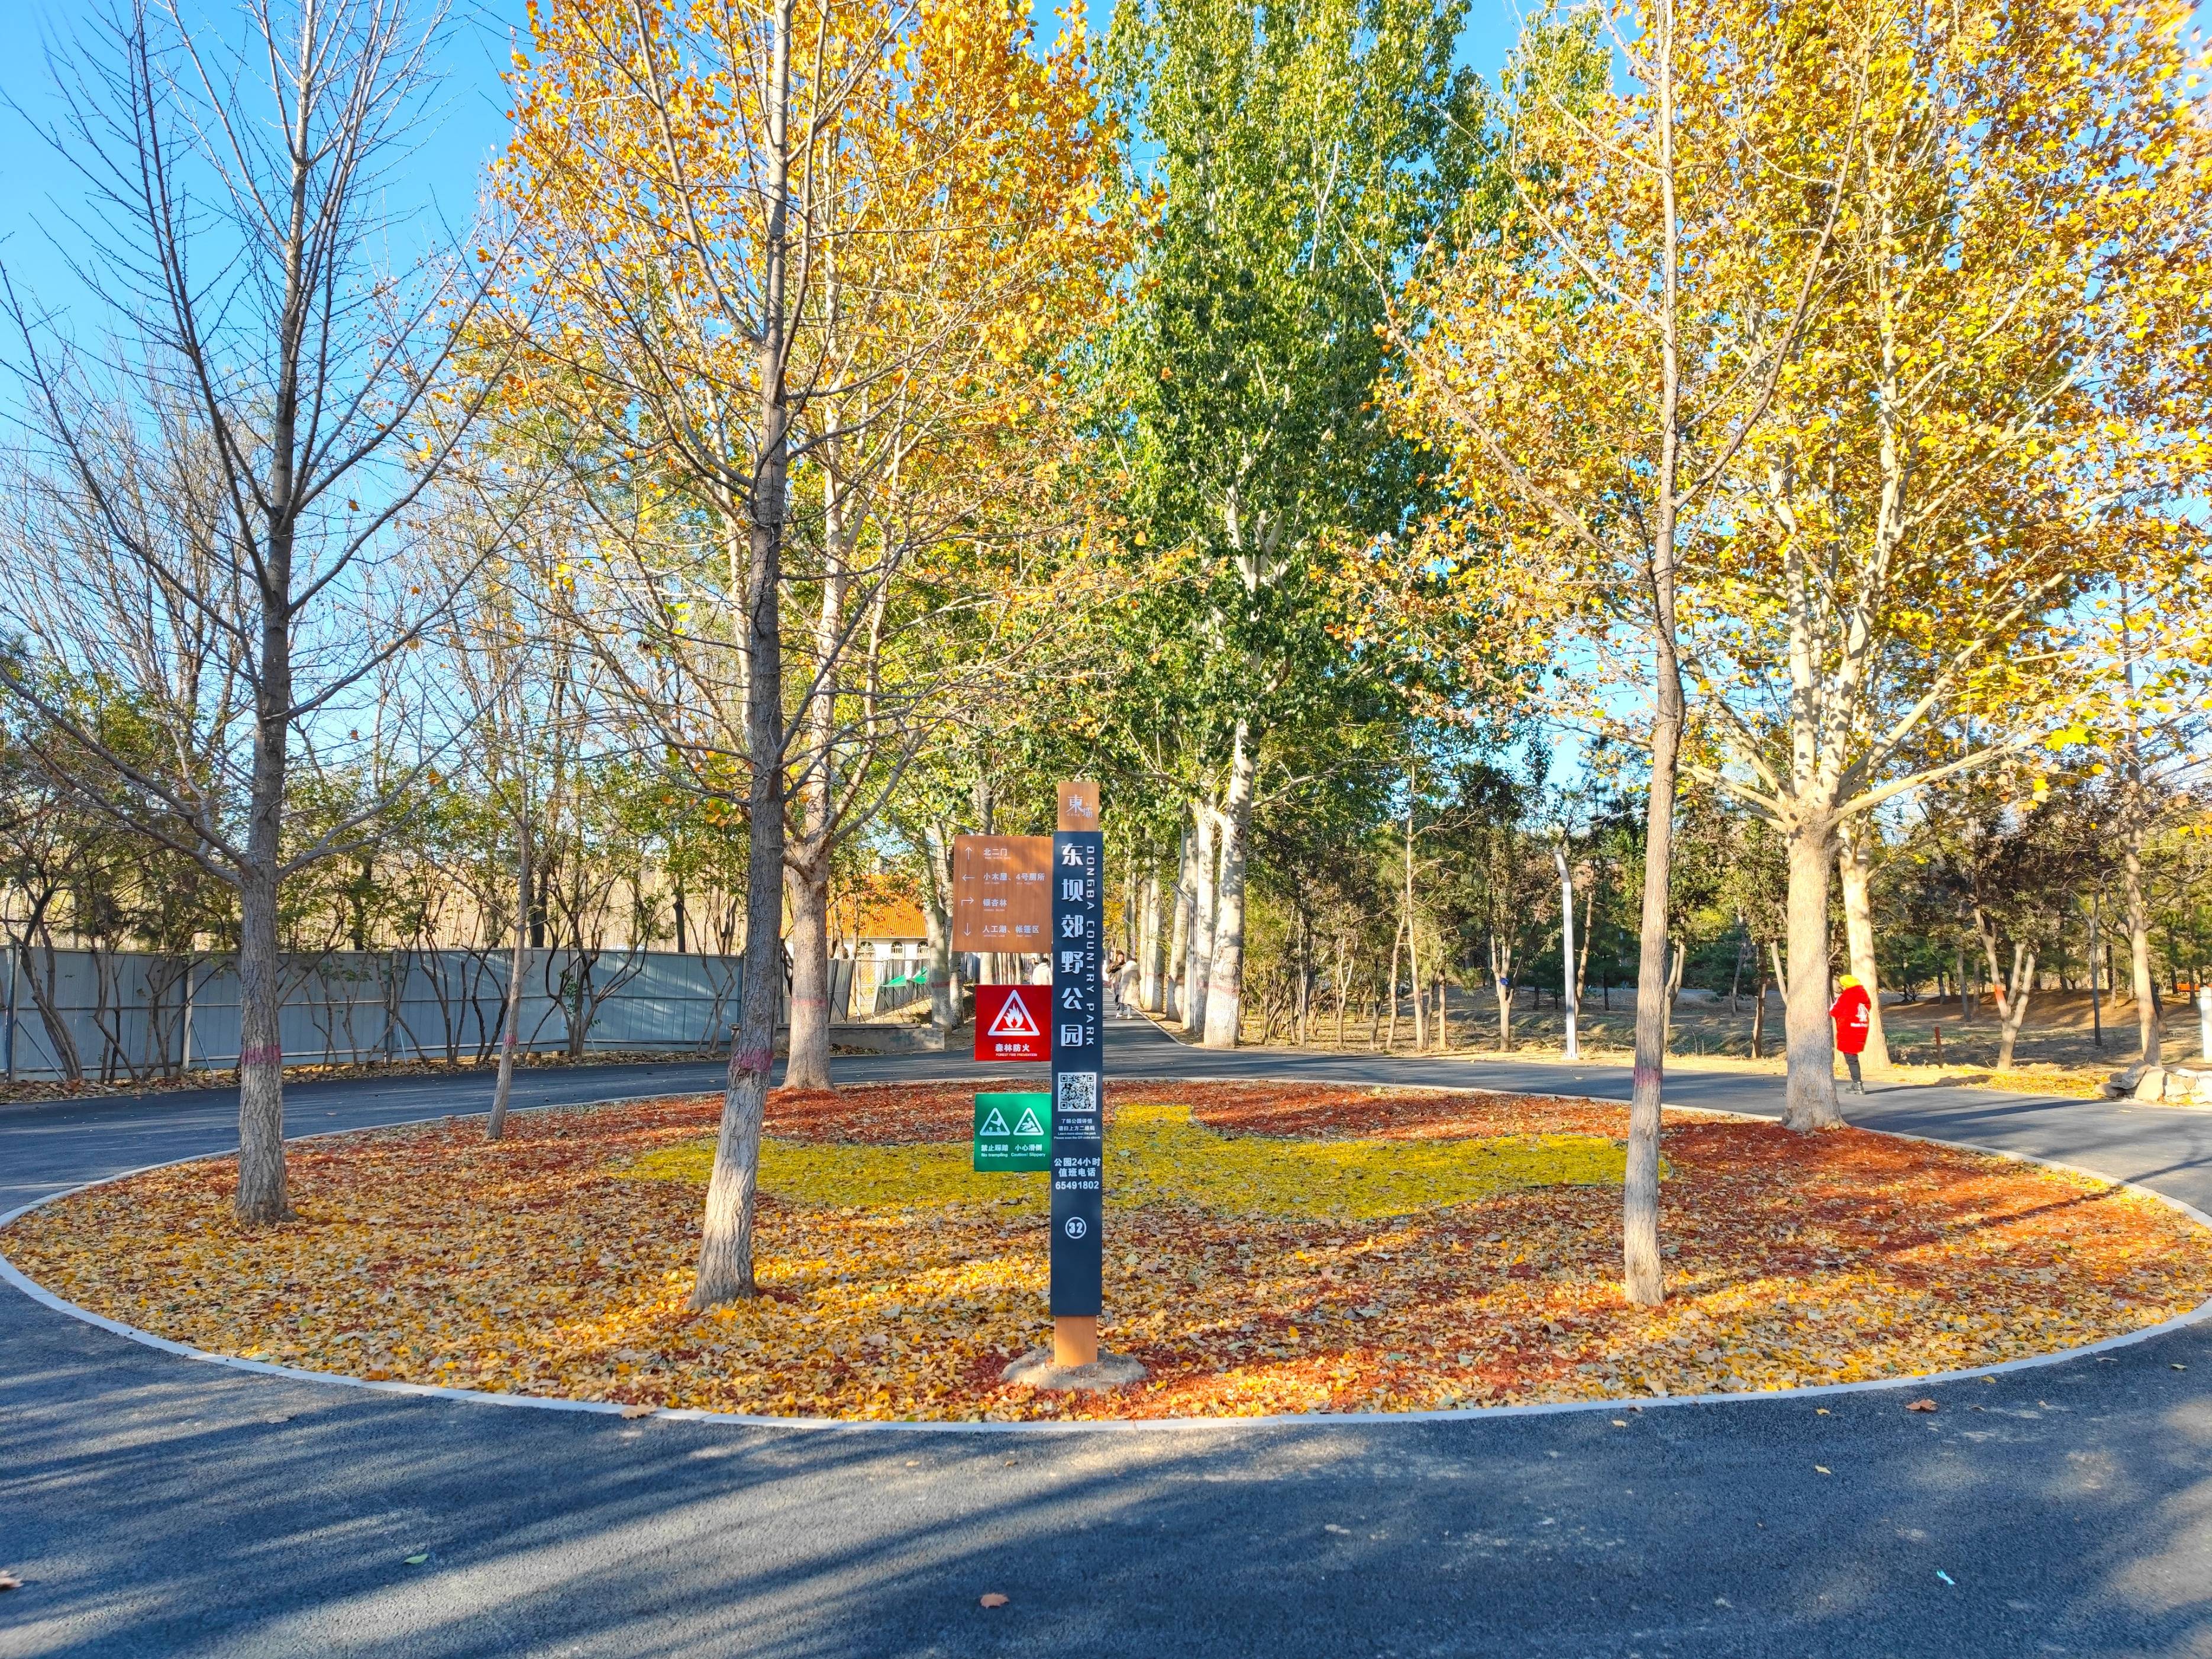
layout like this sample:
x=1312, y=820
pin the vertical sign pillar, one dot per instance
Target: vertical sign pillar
x=1078, y=1068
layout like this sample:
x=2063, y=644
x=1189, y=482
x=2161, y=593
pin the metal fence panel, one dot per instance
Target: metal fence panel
x=132, y=1014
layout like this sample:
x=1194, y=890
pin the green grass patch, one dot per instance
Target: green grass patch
x=1161, y=1155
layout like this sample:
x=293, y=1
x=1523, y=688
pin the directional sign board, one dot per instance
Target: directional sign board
x=1011, y=1022
x=1079, y=1063
x=1013, y=1132
x=1001, y=893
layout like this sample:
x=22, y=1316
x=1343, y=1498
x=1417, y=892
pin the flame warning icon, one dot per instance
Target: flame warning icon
x=1014, y=1019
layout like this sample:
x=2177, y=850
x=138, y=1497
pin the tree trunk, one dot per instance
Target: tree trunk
x=1150, y=940
x=511, y=1016
x=2096, y=996
x=579, y=1006
x=1759, y=1018
x=262, y=1197
x=1390, y=1041
x=1224, y=992
x=937, y=922
x=1986, y=933
x=2016, y=1010
x=1570, y=999
x=1302, y=997
x=1501, y=986
x=1413, y=942
x=2150, y=1031
x=61, y=1041
x=725, y=1245
x=261, y=1185
x=1583, y=945
x=1809, y=1095
x=1172, y=1000
x=806, y=880
x=1197, y=965
x=1642, y=1279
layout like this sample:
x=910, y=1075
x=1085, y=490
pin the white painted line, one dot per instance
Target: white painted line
x=11, y=1275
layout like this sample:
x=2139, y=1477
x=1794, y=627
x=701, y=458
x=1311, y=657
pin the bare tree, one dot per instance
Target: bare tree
x=223, y=485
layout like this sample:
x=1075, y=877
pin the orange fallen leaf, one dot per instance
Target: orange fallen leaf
x=1920, y=1406
x=639, y=1411
x=9, y=1581
x=992, y=1600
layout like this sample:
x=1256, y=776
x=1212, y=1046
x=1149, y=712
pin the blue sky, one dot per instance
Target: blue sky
x=440, y=177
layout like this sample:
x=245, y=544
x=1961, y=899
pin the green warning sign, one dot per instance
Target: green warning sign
x=1013, y=1132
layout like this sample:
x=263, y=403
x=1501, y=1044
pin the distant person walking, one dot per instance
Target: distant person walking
x=1121, y=982
x=1852, y=1013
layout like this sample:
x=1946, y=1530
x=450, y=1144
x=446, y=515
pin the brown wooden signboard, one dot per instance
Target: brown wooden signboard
x=1002, y=893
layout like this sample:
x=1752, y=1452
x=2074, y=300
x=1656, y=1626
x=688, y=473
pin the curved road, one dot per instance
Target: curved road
x=159, y=1506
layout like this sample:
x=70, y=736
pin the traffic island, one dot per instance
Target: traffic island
x=1270, y=1250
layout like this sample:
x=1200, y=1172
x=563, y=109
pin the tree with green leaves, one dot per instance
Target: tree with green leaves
x=1300, y=150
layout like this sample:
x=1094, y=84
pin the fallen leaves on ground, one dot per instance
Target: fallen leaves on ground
x=1408, y=1250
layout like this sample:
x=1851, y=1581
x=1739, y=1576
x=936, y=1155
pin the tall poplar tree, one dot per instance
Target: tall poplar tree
x=1302, y=150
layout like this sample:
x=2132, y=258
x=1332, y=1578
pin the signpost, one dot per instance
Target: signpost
x=1079, y=1148
x=1028, y=893
x=1012, y=1022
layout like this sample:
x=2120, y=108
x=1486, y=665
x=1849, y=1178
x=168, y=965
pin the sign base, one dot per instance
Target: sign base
x=1038, y=1370
x=1075, y=1340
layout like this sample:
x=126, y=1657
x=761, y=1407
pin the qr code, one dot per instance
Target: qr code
x=1079, y=1091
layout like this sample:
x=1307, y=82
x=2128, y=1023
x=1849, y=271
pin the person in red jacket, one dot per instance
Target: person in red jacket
x=1853, y=1012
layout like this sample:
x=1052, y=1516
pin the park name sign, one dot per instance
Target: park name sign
x=1013, y=1133
x=1078, y=1068
x=1012, y=1023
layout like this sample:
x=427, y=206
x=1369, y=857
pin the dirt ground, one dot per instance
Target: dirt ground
x=2059, y=1033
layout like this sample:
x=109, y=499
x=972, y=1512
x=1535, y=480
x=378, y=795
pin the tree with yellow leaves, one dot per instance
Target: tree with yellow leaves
x=1592, y=354
x=1951, y=267
x=802, y=276
x=1986, y=424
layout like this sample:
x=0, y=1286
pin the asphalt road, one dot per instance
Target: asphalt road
x=156, y=1505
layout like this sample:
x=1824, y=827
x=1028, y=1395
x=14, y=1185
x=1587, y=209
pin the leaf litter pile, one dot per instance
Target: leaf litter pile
x=1268, y=1248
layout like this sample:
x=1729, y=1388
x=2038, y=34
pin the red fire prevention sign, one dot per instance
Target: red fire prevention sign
x=1009, y=1022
